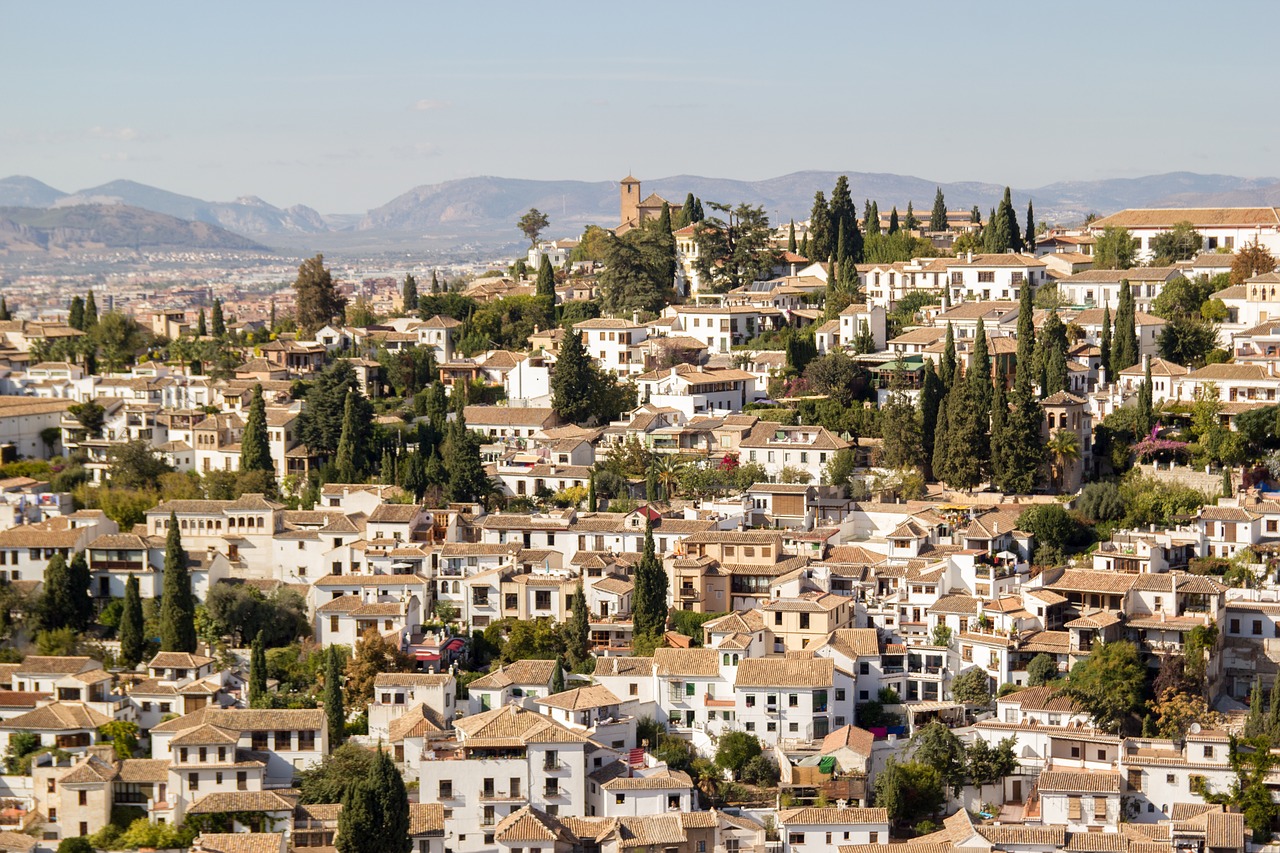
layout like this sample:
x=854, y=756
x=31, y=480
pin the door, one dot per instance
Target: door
x=1015, y=790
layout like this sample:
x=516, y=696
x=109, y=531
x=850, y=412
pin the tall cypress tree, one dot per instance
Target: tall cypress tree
x=980, y=392
x=557, y=677
x=349, y=457
x=871, y=218
x=132, y=643
x=910, y=223
x=334, y=712
x=1124, y=343
x=392, y=805
x=791, y=238
x=1026, y=335
x=686, y=212
x=177, y=606
x=941, y=435
x=257, y=670
x=966, y=435
x=1104, y=342
x=649, y=598
x=577, y=635
x=1146, y=406
x=409, y=294
x=931, y=394
x=80, y=612
x=56, y=605
x=593, y=502
x=948, y=366
x=202, y=327
x=820, y=237
x=1029, y=238
x=545, y=285
x=893, y=220
x=938, y=217
x=1013, y=235
x=975, y=216
x=999, y=416
x=575, y=384
x=75, y=313
x=255, y=450
x=90, y=313
x=844, y=213
x=217, y=323
x=996, y=239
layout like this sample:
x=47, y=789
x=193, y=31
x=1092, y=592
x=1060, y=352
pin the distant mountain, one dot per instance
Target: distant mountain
x=21, y=191
x=491, y=206
x=95, y=227
x=246, y=215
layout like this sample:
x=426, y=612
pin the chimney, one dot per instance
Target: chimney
x=969, y=256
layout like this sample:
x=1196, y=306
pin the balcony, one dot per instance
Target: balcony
x=556, y=793
x=553, y=764
x=688, y=594
x=491, y=796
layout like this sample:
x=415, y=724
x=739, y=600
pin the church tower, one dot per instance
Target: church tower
x=629, y=201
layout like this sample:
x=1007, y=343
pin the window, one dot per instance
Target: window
x=193, y=781
x=306, y=741
x=690, y=688
x=83, y=797
x=1257, y=627
x=542, y=599
x=795, y=838
x=446, y=789
x=619, y=799
x=1073, y=808
x=284, y=740
x=793, y=700
x=986, y=276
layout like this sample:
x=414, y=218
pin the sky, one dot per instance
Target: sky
x=343, y=106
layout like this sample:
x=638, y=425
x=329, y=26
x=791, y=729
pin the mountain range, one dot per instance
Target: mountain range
x=86, y=228
x=483, y=210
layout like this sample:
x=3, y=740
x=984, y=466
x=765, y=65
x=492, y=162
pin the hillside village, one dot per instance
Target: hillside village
x=700, y=533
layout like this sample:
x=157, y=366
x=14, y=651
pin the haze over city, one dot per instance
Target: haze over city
x=340, y=110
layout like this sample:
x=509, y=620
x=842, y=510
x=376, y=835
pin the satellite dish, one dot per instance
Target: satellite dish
x=1194, y=729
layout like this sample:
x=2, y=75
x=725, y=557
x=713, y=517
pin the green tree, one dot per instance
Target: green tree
x=1104, y=342
x=90, y=313
x=639, y=271
x=735, y=749
x=328, y=780
x=67, y=602
x=334, y=711
x=557, y=677
x=1187, y=341
x=577, y=635
x=649, y=596
x=575, y=382
x=893, y=220
x=316, y=300
x=1108, y=684
x=938, y=217
x=593, y=501
x=1029, y=236
x=967, y=436
x=1255, y=723
x=202, y=327
x=931, y=401
x=1051, y=525
x=466, y=477
x=903, y=445
x=1124, y=342
x=1115, y=249
x=409, y=294
x=940, y=461
x=177, y=606
x=947, y=367
x=985, y=764
x=1180, y=243
x=217, y=323
x=871, y=218
x=909, y=791
x=1041, y=670
x=258, y=670
x=123, y=735
x=910, y=222
x=375, y=812
x=972, y=687
x=545, y=284
x=791, y=237
x=1251, y=259
x=255, y=451
x=117, y=339
x=75, y=313
x=352, y=444
x=735, y=249
x=845, y=216
x=532, y=224
x=934, y=745
x=821, y=239
x=132, y=641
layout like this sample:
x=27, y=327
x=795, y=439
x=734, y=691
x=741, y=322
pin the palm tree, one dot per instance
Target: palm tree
x=668, y=475
x=1064, y=449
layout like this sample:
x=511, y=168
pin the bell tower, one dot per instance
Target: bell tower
x=629, y=201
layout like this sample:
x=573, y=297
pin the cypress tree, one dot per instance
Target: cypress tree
x=132, y=643
x=1273, y=712
x=545, y=284
x=931, y=394
x=347, y=460
x=271, y=320
x=257, y=670
x=649, y=598
x=392, y=804
x=435, y=283
x=996, y=239
x=1013, y=235
x=1124, y=343
x=557, y=677
x=652, y=488
x=942, y=432
x=335, y=714
x=409, y=294
x=844, y=213
x=938, y=217
x=575, y=384
x=980, y=393
x=871, y=218
x=80, y=609
x=698, y=215
x=1021, y=446
x=1255, y=723
x=177, y=606
x=465, y=477
x=666, y=241
x=90, y=313
x=5, y=316
x=791, y=238
x=819, y=235
x=804, y=247
x=910, y=223
x=893, y=220
x=1104, y=342
x=948, y=366
x=999, y=416
x=592, y=500
x=1146, y=408
x=966, y=434
x=57, y=594
x=1055, y=372
x=202, y=327
x=842, y=248
x=1029, y=238
x=686, y=212
x=387, y=469
x=217, y=324
x=577, y=635
x=1026, y=336
x=75, y=313
x=975, y=216
x=255, y=451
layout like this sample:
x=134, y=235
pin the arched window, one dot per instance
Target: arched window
x=455, y=587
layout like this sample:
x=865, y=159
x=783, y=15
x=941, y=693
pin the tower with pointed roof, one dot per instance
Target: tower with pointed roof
x=628, y=201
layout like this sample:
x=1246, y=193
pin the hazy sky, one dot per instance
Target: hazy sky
x=343, y=106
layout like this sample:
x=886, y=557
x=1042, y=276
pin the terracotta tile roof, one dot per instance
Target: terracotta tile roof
x=513, y=725
x=1224, y=829
x=669, y=780
x=855, y=642
x=785, y=672
x=698, y=663
x=206, y=735
x=1080, y=781
x=426, y=819
x=745, y=621
x=417, y=721
x=55, y=532
x=242, y=801
x=1047, y=836
x=617, y=666
x=178, y=660
x=1053, y=642
x=519, y=672
x=1088, y=580
x=1201, y=217
x=851, y=737
x=1179, y=581
x=831, y=816
x=16, y=842
x=138, y=770
x=650, y=831
x=54, y=665
x=961, y=604
x=581, y=698
x=58, y=717
x=509, y=416
x=87, y=771
x=239, y=842
x=531, y=824
x=1043, y=698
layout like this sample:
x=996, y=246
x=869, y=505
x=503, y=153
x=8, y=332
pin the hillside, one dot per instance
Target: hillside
x=109, y=227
